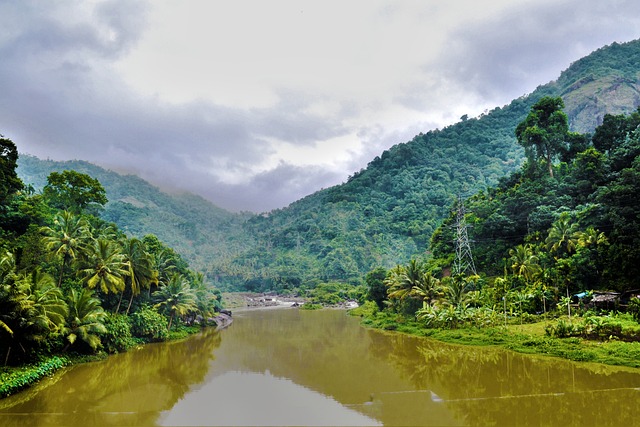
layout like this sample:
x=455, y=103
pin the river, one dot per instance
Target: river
x=291, y=367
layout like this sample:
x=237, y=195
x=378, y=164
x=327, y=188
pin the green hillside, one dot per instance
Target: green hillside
x=384, y=214
x=200, y=231
x=387, y=212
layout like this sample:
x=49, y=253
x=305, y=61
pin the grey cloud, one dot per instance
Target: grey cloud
x=529, y=46
x=59, y=99
x=269, y=190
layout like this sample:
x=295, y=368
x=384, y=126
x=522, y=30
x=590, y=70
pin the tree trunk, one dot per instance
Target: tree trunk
x=130, y=301
x=119, y=301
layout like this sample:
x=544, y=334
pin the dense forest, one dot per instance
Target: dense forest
x=544, y=262
x=553, y=235
x=73, y=283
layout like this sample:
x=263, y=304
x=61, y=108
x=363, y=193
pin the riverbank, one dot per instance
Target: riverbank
x=529, y=338
x=14, y=379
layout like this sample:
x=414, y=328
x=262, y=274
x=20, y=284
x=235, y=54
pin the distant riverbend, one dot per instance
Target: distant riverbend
x=292, y=367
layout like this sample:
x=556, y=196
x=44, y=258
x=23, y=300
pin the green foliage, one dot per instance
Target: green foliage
x=311, y=306
x=335, y=293
x=544, y=132
x=376, y=289
x=147, y=323
x=634, y=309
x=10, y=183
x=117, y=336
x=16, y=380
x=74, y=191
x=86, y=318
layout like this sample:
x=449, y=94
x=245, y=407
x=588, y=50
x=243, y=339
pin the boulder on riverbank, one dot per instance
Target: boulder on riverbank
x=222, y=320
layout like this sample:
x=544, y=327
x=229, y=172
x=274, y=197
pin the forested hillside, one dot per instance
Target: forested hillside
x=384, y=214
x=200, y=231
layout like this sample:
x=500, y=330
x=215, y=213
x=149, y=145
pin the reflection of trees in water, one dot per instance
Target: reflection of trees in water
x=487, y=386
x=125, y=389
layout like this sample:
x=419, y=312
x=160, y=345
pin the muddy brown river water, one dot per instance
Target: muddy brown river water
x=291, y=367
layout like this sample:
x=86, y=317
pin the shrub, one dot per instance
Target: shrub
x=118, y=336
x=19, y=379
x=148, y=324
x=564, y=329
x=634, y=309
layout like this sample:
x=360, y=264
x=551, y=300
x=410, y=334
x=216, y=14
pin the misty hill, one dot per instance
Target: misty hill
x=384, y=214
x=200, y=231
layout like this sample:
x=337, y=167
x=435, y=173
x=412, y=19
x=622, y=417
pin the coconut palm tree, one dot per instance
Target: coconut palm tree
x=105, y=267
x=66, y=239
x=563, y=235
x=44, y=309
x=205, y=299
x=86, y=318
x=524, y=262
x=140, y=269
x=402, y=279
x=428, y=288
x=175, y=298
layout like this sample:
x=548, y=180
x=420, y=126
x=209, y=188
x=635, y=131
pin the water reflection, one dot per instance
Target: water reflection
x=485, y=386
x=255, y=399
x=290, y=367
x=126, y=389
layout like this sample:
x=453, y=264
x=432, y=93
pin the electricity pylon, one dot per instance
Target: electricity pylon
x=464, y=260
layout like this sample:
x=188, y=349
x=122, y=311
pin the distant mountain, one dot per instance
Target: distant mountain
x=384, y=214
x=200, y=231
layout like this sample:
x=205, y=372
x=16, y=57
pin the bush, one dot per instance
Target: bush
x=564, y=329
x=18, y=379
x=634, y=309
x=150, y=325
x=118, y=336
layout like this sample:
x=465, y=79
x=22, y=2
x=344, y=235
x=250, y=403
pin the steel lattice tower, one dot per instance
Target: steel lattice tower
x=464, y=260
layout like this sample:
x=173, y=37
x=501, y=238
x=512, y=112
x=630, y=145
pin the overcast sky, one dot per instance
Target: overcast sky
x=254, y=104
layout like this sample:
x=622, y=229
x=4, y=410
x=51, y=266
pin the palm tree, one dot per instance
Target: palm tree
x=402, y=279
x=455, y=290
x=139, y=265
x=105, y=267
x=205, y=299
x=175, y=298
x=44, y=307
x=563, y=235
x=66, y=238
x=524, y=263
x=428, y=288
x=86, y=318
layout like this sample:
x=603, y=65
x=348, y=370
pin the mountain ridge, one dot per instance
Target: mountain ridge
x=384, y=213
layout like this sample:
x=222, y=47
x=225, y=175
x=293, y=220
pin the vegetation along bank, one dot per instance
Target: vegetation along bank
x=551, y=262
x=74, y=287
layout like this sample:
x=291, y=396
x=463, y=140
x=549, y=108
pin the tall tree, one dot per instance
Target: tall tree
x=524, y=262
x=74, y=191
x=9, y=181
x=545, y=131
x=563, y=235
x=140, y=268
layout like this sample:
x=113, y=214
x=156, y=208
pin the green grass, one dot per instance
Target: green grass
x=529, y=338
